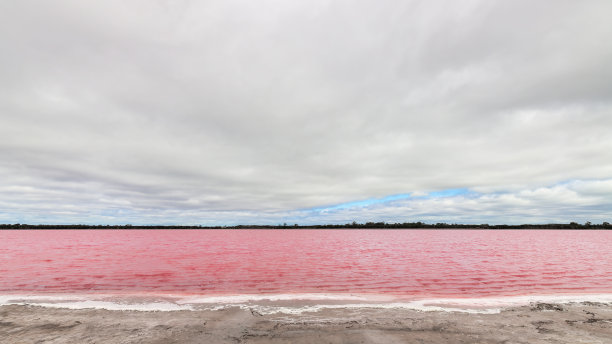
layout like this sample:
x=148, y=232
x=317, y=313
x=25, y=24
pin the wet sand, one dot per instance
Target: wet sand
x=586, y=322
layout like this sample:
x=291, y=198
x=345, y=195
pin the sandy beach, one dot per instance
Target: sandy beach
x=586, y=322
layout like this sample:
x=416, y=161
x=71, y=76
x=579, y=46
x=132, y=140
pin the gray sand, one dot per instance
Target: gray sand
x=538, y=323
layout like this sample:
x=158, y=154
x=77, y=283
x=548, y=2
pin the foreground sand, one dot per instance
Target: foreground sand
x=538, y=323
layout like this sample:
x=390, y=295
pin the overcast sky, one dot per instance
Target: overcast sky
x=263, y=112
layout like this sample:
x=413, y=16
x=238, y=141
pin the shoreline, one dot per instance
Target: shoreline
x=537, y=322
x=290, y=303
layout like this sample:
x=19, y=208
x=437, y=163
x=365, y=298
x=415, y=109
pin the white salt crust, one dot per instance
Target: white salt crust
x=265, y=304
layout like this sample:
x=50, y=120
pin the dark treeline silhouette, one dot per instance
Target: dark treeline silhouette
x=372, y=225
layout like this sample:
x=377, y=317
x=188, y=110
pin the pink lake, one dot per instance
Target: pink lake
x=403, y=263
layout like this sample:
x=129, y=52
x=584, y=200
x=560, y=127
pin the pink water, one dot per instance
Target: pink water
x=406, y=263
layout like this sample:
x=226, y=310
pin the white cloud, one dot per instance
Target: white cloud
x=234, y=110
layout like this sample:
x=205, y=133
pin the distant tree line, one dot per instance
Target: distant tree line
x=354, y=225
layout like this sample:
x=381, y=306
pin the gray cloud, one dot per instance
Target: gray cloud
x=227, y=110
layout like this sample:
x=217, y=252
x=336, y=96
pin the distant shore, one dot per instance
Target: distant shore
x=354, y=225
x=535, y=323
